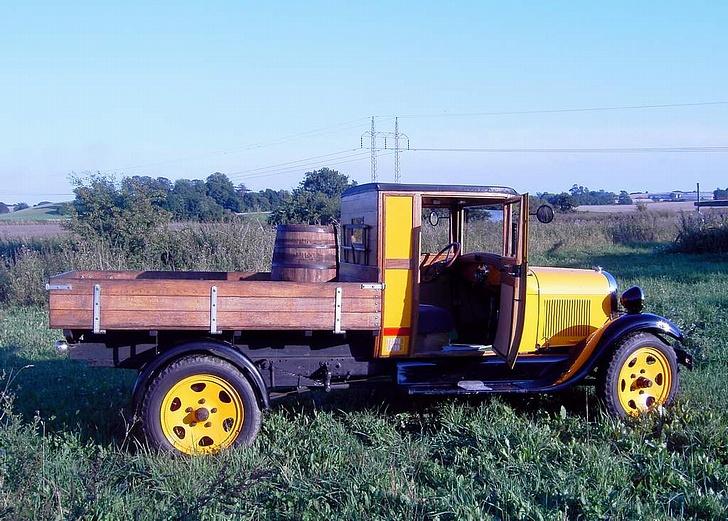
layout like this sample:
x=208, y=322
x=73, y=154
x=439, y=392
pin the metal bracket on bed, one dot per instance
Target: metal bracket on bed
x=96, y=305
x=213, y=310
x=51, y=287
x=373, y=285
x=337, y=311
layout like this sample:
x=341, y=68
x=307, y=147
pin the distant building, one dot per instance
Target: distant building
x=675, y=196
x=640, y=197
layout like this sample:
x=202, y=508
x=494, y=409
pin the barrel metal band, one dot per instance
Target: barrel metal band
x=337, y=312
x=213, y=310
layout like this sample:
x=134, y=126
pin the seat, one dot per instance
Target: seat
x=433, y=320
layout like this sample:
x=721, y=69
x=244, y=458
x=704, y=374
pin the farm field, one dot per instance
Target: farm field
x=670, y=207
x=68, y=448
x=42, y=212
x=26, y=230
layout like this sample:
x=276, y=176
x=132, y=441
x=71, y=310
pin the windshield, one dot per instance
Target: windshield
x=483, y=229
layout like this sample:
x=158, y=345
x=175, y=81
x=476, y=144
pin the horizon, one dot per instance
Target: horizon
x=538, y=97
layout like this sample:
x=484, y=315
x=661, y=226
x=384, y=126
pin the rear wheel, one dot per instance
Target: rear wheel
x=641, y=375
x=200, y=404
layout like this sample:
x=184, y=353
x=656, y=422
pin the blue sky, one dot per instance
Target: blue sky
x=183, y=89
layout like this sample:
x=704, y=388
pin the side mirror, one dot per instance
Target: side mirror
x=433, y=219
x=545, y=214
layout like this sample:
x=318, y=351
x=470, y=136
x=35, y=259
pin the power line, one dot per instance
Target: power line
x=562, y=110
x=354, y=123
x=335, y=163
x=345, y=151
x=596, y=150
x=301, y=164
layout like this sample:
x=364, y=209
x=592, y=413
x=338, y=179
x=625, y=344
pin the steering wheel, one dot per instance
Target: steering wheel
x=442, y=261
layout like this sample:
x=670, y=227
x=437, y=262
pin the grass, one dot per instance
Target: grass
x=45, y=212
x=66, y=450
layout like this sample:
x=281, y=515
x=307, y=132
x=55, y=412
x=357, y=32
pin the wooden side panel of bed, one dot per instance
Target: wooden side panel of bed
x=147, y=301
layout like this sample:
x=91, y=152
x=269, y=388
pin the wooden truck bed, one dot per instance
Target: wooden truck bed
x=209, y=301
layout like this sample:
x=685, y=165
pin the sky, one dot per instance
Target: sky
x=265, y=91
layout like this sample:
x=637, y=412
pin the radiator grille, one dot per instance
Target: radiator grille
x=566, y=320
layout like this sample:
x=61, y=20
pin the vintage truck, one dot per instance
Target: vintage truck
x=422, y=287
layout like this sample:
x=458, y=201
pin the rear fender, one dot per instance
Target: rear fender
x=221, y=350
x=603, y=341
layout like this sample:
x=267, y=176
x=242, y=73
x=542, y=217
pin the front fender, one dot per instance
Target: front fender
x=603, y=340
x=218, y=349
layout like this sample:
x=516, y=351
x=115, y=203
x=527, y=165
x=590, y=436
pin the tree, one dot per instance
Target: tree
x=564, y=201
x=21, y=206
x=317, y=200
x=4, y=208
x=189, y=201
x=326, y=181
x=720, y=194
x=222, y=191
x=582, y=196
x=263, y=201
x=624, y=198
x=124, y=216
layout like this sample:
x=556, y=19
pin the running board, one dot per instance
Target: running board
x=488, y=374
x=468, y=387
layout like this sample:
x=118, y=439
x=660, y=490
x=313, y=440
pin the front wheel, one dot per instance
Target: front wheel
x=641, y=375
x=199, y=404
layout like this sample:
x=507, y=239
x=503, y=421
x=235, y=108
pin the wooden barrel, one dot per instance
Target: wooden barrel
x=304, y=253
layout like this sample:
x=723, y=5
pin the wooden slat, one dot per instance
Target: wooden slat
x=139, y=320
x=191, y=303
x=272, y=289
x=162, y=275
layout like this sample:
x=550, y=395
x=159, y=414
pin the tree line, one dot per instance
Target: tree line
x=125, y=213
x=579, y=195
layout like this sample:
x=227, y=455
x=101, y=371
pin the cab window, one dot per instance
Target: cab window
x=436, y=226
x=483, y=229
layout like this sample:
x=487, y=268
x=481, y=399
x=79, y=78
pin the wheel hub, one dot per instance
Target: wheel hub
x=202, y=414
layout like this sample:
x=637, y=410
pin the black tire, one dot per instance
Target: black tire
x=189, y=366
x=610, y=383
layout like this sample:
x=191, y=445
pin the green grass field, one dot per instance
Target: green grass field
x=66, y=450
x=44, y=212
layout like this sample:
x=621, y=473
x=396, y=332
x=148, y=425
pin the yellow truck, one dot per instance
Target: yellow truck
x=426, y=287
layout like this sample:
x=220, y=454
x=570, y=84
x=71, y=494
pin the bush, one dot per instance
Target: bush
x=631, y=229
x=233, y=245
x=702, y=233
x=125, y=217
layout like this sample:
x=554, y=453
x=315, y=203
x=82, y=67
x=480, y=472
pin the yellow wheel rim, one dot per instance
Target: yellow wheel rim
x=644, y=381
x=202, y=414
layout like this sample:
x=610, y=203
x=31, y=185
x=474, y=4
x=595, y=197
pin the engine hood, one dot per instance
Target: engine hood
x=572, y=281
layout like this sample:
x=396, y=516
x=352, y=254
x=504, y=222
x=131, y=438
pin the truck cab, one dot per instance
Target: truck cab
x=430, y=291
x=455, y=275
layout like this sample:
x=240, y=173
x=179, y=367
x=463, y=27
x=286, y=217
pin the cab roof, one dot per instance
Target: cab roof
x=429, y=189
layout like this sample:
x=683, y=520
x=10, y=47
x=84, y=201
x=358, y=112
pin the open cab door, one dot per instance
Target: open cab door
x=513, y=279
